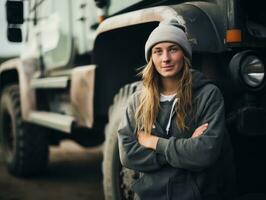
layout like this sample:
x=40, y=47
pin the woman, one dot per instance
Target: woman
x=173, y=131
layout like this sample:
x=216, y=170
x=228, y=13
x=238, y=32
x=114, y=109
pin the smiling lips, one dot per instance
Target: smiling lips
x=167, y=67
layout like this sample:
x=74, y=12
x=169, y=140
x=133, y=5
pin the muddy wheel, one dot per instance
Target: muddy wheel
x=24, y=146
x=116, y=178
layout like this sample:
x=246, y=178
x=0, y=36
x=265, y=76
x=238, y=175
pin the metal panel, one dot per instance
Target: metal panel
x=52, y=120
x=82, y=94
x=54, y=82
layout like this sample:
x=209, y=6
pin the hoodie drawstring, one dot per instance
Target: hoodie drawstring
x=171, y=115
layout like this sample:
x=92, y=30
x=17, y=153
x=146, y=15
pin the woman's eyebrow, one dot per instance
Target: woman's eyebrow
x=174, y=45
x=157, y=48
x=168, y=47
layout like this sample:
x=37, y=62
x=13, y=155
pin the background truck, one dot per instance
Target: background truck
x=78, y=68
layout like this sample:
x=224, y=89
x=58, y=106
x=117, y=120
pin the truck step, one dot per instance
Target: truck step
x=49, y=83
x=52, y=120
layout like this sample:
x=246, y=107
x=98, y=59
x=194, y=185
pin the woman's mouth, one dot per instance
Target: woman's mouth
x=168, y=67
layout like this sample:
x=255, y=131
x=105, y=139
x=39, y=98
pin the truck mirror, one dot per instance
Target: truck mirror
x=14, y=12
x=100, y=3
x=14, y=34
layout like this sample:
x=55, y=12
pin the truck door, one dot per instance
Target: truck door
x=84, y=19
x=55, y=32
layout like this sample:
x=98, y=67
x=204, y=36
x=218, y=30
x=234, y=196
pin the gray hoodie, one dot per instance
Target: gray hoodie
x=182, y=167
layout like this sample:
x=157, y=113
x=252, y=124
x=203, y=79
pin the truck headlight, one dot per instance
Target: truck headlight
x=247, y=71
x=252, y=71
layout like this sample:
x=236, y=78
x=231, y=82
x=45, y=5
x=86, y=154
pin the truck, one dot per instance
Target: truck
x=77, y=71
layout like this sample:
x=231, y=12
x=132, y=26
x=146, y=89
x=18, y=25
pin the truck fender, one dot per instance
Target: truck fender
x=138, y=17
x=24, y=74
x=205, y=26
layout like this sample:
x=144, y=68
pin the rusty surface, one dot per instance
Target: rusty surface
x=137, y=17
x=25, y=70
x=82, y=93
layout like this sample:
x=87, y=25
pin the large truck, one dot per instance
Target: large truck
x=77, y=71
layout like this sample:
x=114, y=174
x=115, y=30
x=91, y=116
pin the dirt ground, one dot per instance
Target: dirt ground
x=74, y=173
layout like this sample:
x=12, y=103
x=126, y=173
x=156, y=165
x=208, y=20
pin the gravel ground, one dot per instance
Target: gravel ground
x=74, y=173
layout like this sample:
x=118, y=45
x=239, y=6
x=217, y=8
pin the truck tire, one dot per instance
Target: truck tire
x=116, y=178
x=24, y=146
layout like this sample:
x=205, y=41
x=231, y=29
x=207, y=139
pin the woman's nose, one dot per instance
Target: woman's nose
x=165, y=56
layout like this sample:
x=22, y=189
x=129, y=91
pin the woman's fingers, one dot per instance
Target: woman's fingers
x=200, y=130
x=203, y=127
x=148, y=141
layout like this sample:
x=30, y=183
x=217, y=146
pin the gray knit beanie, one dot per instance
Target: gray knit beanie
x=168, y=31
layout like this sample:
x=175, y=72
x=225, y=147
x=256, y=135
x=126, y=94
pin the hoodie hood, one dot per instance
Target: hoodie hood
x=198, y=80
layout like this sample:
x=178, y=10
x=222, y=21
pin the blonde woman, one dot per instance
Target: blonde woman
x=173, y=131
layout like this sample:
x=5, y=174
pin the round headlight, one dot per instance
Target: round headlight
x=252, y=71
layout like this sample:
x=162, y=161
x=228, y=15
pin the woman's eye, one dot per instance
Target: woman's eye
x=157, y=52
x=173, y=50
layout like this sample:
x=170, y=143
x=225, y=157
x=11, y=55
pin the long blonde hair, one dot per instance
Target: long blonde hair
x=148, y=108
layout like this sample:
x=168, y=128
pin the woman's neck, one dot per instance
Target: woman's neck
x=168, y=86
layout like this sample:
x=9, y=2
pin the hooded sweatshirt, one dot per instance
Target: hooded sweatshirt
x=181, y=167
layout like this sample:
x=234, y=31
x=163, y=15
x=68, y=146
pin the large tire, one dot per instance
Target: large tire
x=116, y=178
x=24, y=146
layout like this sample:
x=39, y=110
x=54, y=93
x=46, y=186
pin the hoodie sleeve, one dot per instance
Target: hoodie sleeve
x=199, y=152
x=132, y=154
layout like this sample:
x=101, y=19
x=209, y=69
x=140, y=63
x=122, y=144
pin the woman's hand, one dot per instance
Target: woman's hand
x=200, y=130
x=148, y=141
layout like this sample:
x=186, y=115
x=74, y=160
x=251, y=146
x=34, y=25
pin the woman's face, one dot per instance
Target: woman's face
x=167, y=58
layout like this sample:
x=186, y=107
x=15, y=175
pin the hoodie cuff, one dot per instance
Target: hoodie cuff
x=161, y=145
